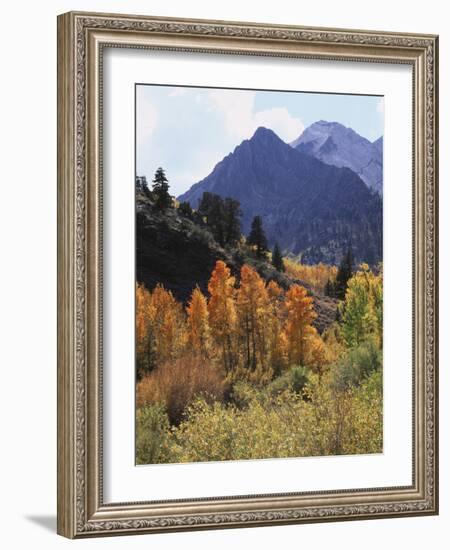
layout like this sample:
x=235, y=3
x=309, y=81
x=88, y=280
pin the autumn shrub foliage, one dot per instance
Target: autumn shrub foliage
x=283, y=425
x=176, y=383
x=241, y=372
x=316, y=276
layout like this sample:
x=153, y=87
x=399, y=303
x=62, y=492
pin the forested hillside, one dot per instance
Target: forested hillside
x=245, y=353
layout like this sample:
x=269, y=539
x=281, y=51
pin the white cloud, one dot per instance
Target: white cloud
x=237, y=109
x=146, y=117
x=281, y=122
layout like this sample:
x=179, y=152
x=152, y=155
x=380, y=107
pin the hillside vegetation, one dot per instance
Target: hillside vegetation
x=242, y=353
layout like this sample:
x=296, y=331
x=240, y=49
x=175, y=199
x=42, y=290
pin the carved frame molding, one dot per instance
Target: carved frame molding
x=81, y=38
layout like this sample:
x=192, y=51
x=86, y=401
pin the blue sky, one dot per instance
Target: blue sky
x=188, y=131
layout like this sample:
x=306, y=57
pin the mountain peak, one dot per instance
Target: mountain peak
x=331, y=128
x=302, y=200
x=338, y=145
x=264, y=134
x=328, y=123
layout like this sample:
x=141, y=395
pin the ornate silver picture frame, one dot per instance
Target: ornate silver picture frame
x=82, y=41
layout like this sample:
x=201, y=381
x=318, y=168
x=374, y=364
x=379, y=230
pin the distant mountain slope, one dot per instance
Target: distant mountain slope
x=310, y=208
x=335, y=144
x=378, y=145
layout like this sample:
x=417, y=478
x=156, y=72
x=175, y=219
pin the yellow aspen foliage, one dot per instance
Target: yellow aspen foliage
x=298, y=329
x=277, y=338
x=169, y=325
x=197, y=323
x=316, y=276
x=362, y=310
x=317, y=356
x=333, y=341
x=274, y=291
x=222, y=314
x=253, y=308
x=143, y=314
x=145, y=337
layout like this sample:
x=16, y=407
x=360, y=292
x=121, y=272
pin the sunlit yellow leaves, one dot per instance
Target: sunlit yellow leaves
x=197, y=323
x=252, y=330
x=300, y=315
x=362, y=311
x=241, y=372
x=285, y=425
x=316, y=276
x=222, y=314
x=253, y=307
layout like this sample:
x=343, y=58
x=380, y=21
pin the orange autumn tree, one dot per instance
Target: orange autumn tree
x=277, y=346
x=222, y=314
x=253, y=308
x=145, y=337
x=197, y=323
x=317, y=355
x=168, y=321
x=298, y=328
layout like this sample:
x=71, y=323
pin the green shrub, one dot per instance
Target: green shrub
x=298, y=414
x=299, y=378
x=357, y=365
x=295, y=379
x=283, y=424
x=242, y=394
x=368, y=416
x=152, y=429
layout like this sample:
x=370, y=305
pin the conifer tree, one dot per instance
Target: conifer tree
x=185, y=210
x=146, y=190
x=257, y=237
x=205, y=205
x=231, y=218
x=329, y=288
x=344, y=273
x=160, y=190
x=222, y=217
x=211, y=209
x=142, y=185
x=277, y=259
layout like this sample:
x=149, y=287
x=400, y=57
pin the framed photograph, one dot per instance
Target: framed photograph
x=247, y=276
